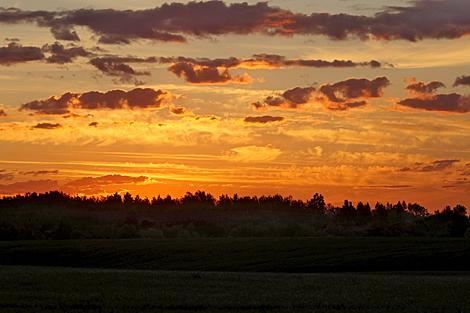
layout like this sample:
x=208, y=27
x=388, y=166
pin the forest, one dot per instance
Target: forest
x=57, y=215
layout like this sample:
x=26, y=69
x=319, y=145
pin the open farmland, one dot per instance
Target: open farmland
x=55, y=289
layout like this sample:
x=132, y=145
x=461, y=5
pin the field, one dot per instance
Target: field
x=236, y=275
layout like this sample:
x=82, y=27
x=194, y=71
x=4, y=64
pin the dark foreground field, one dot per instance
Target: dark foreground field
x=236, y=275
x=54, y=289
x=288, y=255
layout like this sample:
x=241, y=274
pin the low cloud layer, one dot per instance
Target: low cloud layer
x=340, y=96
x=263, y=119
x=435, y=166
x=425, y=100
x=206, y=75
x=15, y=53
x=139, y=98
x=174, y=22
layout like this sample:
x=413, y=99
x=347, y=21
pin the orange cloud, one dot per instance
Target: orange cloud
x=195, y=74
x=139, y=98
x=263, y=119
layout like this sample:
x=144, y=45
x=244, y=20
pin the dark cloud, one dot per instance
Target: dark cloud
x=424, y=19
x=462, y=80
x=62, y=55
x=138, y=98
x=340, y=96
x=435, y=166
x=415, y=87
x=47, y=126
x=269, y=61
x=195, y=74
x=6, y=176
x=425, y=99
x=263, y=119
x=290, y=99
x=94, y=124
x=44, y=172
x=3, y=113
x=15, y=53
x=449, y=103
x=100, y=184
x=384, y=187
x=12, y=39
x=39, y=186
x=117, y=67
x=179, y=111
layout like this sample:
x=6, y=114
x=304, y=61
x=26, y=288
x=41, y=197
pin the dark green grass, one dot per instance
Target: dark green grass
x=53, y=289
x=288, y=255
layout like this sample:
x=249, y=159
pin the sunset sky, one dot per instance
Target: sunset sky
x=354, y=99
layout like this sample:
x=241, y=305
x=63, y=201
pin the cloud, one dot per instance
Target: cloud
x=252, y=154
x=180, y=111
x=94, y=124
x=174, y=21
x=117, y=67
x=383, y=187
x=462, y=80
x=6, y=176
x=290, y=99
x=195, y=74
x=353, y=88
x=104, y=184
x=62, y=55
x=117, y=99
x=339, y=96
x=43, y=172
x=3, y=113
x=448, y=103
x=15, y=53
x=47, y=126
x=417, y=88
x=269, y=61
x=38, y=186
x=435, y=166
x=263, y=119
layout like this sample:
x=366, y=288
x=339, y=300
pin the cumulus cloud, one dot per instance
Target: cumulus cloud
x=15, y=53
x=416, y=88
x=4, y=175
x=290, y=99
x=252, y=154
x=425, y=100
x=462, y=80
x=117, y=99
x=180, y=111
x=435, y=166
x=117, y=67
x=47, y=126
x=195, y=74
x=339, y=96
x=172, y=22
x=38, y=186
x=263, y=119
x=62, y=55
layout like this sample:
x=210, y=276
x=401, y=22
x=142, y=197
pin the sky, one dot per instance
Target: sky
x=353, y=99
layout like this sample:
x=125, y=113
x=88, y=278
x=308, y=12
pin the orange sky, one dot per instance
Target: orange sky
x=358, y=100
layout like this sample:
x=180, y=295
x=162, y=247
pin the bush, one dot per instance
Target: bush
x=128, y=232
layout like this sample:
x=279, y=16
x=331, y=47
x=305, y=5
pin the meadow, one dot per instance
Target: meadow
x=236, y=275
x=57, y=289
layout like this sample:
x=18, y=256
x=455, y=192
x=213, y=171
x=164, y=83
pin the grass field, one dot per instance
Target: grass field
x=55, y=289
x=290, y=255
x=236, y=275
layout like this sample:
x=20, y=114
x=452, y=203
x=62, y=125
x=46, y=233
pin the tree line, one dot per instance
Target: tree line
x=41, y=216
